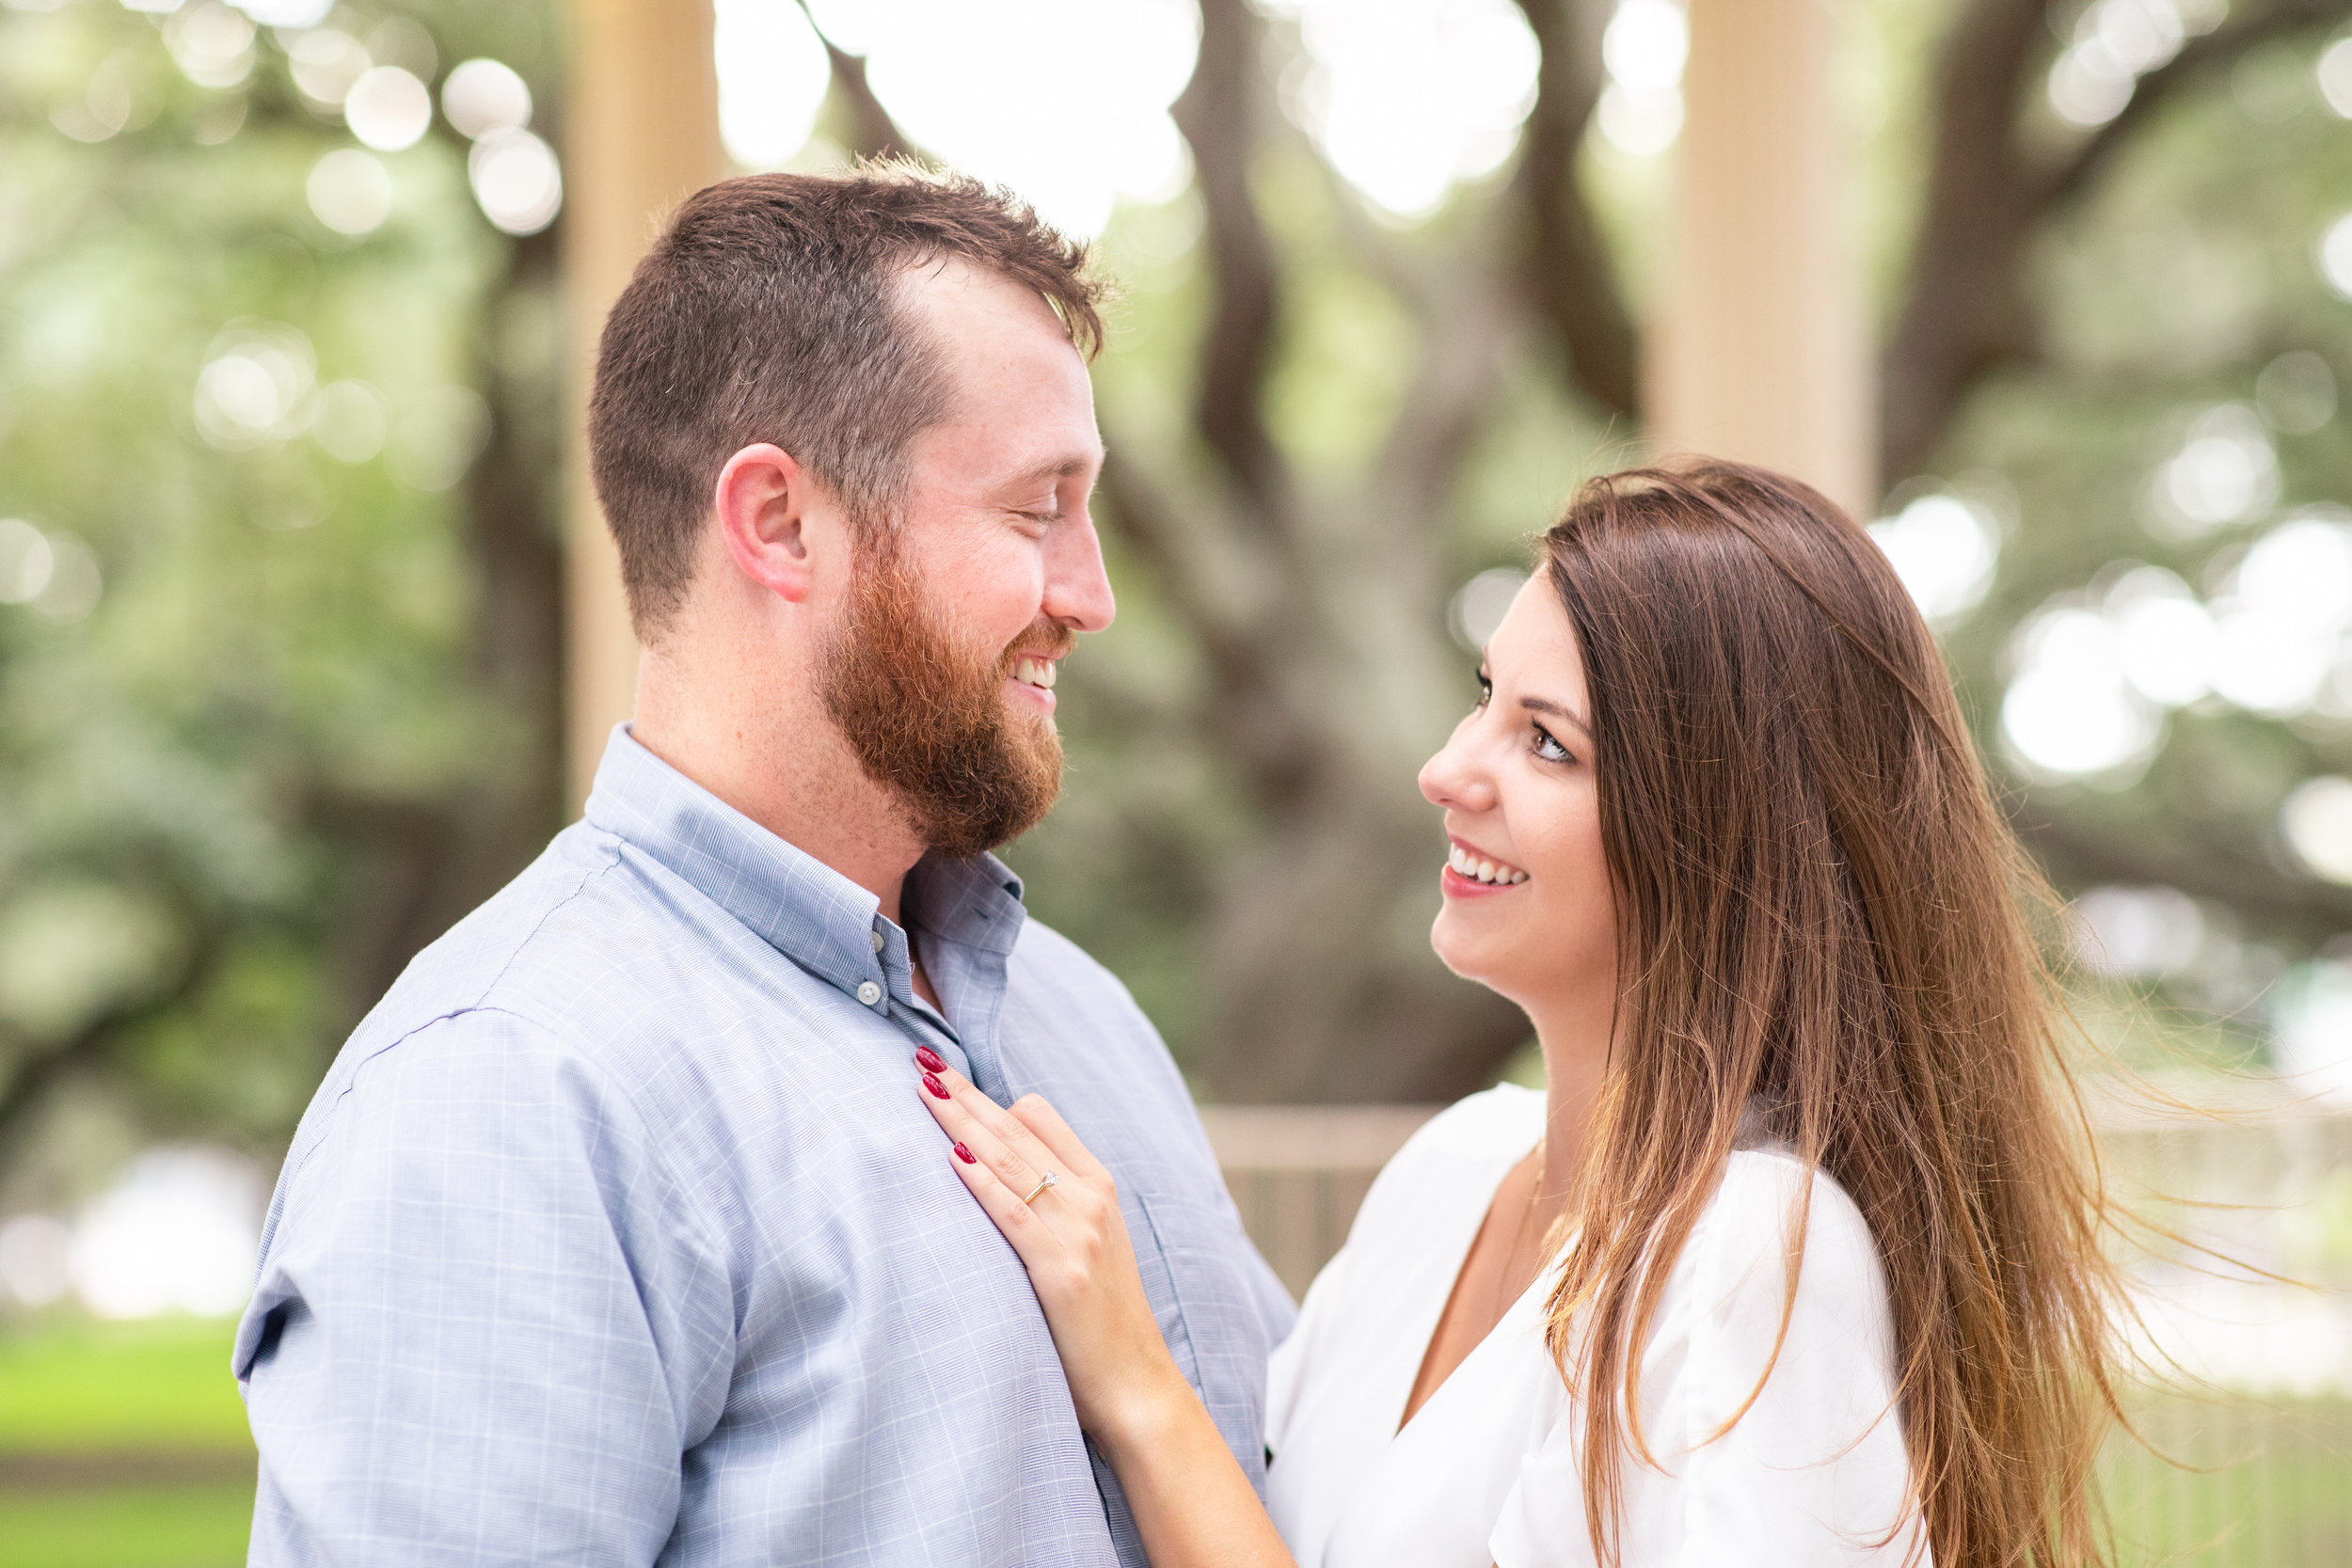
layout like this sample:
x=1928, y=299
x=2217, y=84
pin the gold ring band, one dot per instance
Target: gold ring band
x=1049, y=1179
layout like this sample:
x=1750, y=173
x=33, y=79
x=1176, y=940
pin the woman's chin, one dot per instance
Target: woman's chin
x=1464, y=952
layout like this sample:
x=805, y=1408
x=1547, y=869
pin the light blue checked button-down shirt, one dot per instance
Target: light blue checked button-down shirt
x=617, y=1235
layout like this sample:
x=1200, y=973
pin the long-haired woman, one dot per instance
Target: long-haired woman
x=1796, y=1257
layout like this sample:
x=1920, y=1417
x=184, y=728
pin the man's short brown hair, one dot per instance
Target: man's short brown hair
x=766, y=312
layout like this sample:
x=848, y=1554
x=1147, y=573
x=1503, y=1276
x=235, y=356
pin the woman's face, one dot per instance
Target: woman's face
x=1528, y=911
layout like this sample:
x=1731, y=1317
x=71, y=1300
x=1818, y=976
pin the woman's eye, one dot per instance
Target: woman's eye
x=1485, y=689
x=1550, y=749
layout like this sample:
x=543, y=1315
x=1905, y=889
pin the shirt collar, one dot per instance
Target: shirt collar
x=797, y=903
x=975, y=902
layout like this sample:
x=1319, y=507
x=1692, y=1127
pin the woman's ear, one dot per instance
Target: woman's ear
x=762, y=501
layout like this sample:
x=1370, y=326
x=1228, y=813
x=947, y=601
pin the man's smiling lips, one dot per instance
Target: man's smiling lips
x=1471, y=872
x=1032, y=677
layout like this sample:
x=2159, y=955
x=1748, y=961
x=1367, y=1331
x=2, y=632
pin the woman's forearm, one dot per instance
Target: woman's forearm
x=1193, y=1505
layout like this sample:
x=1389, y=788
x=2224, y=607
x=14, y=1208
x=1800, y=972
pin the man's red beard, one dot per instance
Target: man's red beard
x=928, y=719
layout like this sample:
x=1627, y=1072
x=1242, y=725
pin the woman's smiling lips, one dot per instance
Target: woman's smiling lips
x=1471, y=873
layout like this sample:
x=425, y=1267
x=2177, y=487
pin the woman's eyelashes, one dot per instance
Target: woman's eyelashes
x=1545, y=745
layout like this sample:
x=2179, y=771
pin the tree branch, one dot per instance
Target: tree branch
x=2205, y=865
x=2198, y=57
x=1249, y=712
x=35, y=1072
x=873, y=133
x=509, y=522
x=1961, y=314
x=1216, y=114
x=1566, y=263
x=1437, y=426
x=1965, y=314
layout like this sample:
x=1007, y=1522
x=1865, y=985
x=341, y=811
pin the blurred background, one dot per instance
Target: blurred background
x=306, y=635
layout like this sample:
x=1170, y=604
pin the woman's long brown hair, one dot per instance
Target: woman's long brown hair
x=1821, y=912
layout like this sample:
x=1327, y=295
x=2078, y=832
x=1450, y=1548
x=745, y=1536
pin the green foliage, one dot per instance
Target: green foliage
x=201, y=1526
x=2188, y=267
x=195, y=777
x=98, y=1389
x=141, y=1437
x=2228, y=1482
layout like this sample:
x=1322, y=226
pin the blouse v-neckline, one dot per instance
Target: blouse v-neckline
x=1407, y=1414
x=1489, y=1469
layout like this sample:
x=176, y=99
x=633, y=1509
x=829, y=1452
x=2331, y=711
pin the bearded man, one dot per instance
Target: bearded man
x=616, y=1233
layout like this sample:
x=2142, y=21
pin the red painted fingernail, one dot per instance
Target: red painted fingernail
x=929, y=1060
x=965, y=1156
x=930, y=1082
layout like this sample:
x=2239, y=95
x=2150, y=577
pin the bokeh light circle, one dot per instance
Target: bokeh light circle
x=1945, y=550
x=2071, y=712
x=1646, y=44
x=255, y=387
x=325, y=63
x=389, y=109
x=349, y=421
x=2317, y=822
x=774, y=74
x=350, y=191
x=2335, y=255
x=27, y=560
x=1479, y=605
x=517, y=180
x=1407, y=98
x=480, y=96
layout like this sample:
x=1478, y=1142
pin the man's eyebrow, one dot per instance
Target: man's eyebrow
x=1055, y=469
x=1558, y=710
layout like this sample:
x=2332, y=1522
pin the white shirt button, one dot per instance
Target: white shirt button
x=878, y=941
x=868, y=992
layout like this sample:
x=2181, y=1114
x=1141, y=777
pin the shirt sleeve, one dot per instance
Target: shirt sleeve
x=487, y=1324
x=1811, y=1472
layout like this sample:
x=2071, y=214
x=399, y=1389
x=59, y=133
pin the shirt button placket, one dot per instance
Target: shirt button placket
x=870, y=993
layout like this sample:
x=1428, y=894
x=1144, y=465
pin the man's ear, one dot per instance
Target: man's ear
x=763, y=500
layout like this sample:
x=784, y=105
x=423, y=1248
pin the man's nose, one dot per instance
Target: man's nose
x=1077, y=590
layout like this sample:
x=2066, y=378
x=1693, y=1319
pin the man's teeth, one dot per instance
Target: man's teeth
x=1034, y=671
x=1478, y=870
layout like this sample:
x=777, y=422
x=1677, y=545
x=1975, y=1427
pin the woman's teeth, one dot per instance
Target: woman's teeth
x=1034, y=671
x=1478, y=870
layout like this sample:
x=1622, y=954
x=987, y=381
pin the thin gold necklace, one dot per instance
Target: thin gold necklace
x=1504, y=1295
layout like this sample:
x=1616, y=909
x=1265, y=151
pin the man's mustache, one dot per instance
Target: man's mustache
x=1046, y=639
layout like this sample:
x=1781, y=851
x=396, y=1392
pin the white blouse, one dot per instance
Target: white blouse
x=1490, y=1468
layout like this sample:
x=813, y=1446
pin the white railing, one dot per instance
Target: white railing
x=1298, y=1173
x=2257, y=1460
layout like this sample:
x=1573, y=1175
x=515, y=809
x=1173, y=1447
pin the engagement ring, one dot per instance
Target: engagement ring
x=1049, y=1180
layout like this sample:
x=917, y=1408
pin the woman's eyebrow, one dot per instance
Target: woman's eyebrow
x=1558, y=710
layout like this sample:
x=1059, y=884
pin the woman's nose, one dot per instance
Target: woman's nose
x=1453, y=780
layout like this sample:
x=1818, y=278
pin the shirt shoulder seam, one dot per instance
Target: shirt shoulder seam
x=478, y=1004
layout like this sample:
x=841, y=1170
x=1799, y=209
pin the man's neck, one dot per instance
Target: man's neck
x=785, y=766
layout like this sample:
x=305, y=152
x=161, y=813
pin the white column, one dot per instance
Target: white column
x=1761, y=350
x=641, y=134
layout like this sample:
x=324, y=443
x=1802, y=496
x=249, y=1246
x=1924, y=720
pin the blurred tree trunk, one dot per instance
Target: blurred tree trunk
x=1319, y=611
x=427, y=862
